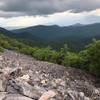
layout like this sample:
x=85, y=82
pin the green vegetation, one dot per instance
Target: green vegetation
x=55, y=36
x=91, y=58
x=1, y=49
x=88, y=59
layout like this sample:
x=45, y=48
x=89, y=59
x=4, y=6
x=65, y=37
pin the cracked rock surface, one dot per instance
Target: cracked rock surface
x=24, y=78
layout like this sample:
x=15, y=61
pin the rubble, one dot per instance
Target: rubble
x=24, y=78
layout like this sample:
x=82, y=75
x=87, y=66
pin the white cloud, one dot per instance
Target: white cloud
x=62, y=19
x=95, y=12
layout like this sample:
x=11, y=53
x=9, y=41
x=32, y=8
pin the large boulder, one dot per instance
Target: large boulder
x=25, y=89
x=2, y=85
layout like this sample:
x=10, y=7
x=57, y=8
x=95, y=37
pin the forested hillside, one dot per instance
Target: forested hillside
x=87, y=59
x=75, y=36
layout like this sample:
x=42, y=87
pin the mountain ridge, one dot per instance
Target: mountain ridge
x=58, y=36
x=70, y=35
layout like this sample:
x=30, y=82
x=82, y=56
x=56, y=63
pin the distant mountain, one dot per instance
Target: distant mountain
x=78, y=24
x=56, y=36
x=4, y=31
x=55, y=32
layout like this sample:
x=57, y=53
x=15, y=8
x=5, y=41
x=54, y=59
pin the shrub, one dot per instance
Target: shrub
x=93, y=57
x=1, y=49
x=72, y=59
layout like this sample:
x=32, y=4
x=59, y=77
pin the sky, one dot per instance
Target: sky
x=25, y=13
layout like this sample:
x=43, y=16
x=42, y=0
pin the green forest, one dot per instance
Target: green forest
x=87, y=59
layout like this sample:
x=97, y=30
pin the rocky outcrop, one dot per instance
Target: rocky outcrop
x=24, y=78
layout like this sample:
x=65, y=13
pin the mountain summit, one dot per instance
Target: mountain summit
x=78, y=24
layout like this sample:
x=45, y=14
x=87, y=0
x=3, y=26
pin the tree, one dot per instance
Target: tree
x=92, y=58
x=72, y=60
x=1, y=49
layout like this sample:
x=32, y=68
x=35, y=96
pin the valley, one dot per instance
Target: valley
x=77, y=37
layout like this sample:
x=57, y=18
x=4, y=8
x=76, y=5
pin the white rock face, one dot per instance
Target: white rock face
x=48, y=95
x=24, y=78
x=2, y=86
x=1, y=58
x=2, y=95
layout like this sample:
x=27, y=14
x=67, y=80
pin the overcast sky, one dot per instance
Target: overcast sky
x=23, y=13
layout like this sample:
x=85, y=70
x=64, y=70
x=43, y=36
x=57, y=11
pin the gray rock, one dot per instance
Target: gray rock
x=2, y=85
x=75, y=95
x=25, y=89
x=16, y=72
x=1, y=58
x=11, y=89
x=16, y=97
